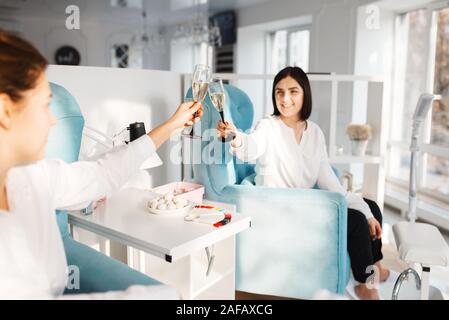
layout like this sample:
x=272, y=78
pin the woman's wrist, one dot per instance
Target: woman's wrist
x=237, y=141
x=161, y=133
x=170, y=125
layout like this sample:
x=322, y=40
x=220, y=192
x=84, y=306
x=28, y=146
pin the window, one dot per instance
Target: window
x=120, y=55
x=289, y=48
x=399, y=165
x=422, y=37
x=411, y=81
x=124, y=55
x=436, y=177
x=440, y=114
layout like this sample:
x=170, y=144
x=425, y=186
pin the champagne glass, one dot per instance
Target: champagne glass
x=218, y=98
x=200, y=84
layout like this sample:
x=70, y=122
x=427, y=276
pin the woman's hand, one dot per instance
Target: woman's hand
x=228, y=131
x=183, y=117
x=225, y=128
x=374, y=228
x=186, y=115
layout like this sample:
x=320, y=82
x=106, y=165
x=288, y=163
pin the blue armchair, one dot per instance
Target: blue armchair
x=297, y=242
x=98, y=273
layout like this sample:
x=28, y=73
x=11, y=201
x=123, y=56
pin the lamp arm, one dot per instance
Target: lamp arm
x=99, y=133
x=423, y=106
x=108, y=146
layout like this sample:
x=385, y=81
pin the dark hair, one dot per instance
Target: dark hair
x=20, y=65
x=301, y=77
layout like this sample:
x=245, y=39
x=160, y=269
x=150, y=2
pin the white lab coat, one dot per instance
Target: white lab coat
x=32, y=257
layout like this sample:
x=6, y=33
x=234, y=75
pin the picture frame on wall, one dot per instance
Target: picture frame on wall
x=68, y=56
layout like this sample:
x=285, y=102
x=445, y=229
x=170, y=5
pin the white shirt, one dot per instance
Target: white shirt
x=32, y=257
x=283, y=163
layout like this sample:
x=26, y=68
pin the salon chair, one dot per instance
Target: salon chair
x=297, y=242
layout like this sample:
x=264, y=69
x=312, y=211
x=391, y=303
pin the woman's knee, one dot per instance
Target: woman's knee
x=357, y=222
x=375, y=210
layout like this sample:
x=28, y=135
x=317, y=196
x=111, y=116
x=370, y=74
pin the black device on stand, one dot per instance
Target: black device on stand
x=136, y=130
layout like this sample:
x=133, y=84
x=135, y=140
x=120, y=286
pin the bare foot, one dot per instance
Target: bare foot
x=364, y=293
x=384, y=273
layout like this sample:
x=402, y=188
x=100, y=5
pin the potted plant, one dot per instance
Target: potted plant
x=359, y=134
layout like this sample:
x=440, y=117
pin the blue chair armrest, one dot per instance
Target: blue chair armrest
x=100, y=273
x=297, y=242
x=250, y=179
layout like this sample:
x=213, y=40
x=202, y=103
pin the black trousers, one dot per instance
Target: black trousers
x=363, y=252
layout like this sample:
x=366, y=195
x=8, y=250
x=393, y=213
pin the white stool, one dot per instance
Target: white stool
x=419, y=243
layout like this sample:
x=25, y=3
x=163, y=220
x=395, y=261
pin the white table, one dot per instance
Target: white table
x=167, y=248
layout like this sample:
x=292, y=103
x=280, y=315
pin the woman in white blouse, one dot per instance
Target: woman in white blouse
x=32, y=258
x=290, y=152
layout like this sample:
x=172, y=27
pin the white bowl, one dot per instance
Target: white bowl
x=175, y=212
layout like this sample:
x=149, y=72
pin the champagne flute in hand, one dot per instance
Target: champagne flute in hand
x=218, y=98
x=200, y=83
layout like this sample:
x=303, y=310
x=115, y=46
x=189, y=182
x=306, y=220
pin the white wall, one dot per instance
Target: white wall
x=333, y=29
x=182, y=57
x=251, y=57
x=110, y=99
x=373, y=56
x=100, y=24
x=374, y=50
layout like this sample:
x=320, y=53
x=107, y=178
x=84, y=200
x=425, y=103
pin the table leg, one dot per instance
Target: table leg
x=189, y=274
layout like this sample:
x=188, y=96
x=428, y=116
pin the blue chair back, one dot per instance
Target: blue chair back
x=64, y=141
x=224, y=169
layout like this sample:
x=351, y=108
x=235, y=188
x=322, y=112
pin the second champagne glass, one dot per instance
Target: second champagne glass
x=218, y=98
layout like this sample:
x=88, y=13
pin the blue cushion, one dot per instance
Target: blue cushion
x=297, y=242
x=64, y=140
x=63, y=223
x=241, y=110
x=100, y=273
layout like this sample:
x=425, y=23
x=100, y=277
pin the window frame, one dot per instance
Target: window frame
x=425, y=146
x=270, y=40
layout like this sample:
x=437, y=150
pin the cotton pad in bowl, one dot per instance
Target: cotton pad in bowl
x=169, y=204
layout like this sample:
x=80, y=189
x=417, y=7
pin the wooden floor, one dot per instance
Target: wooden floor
x=241, y=295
